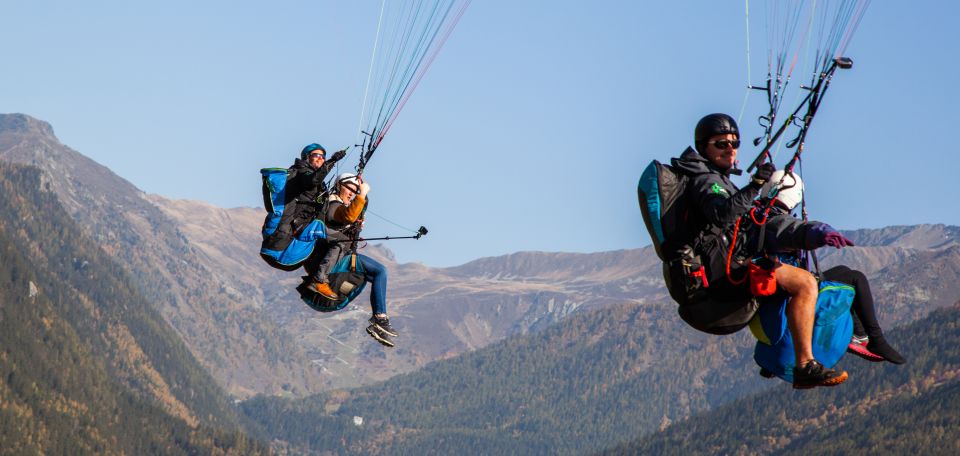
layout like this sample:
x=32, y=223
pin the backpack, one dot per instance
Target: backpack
x=661, y=193
x=285, y=246
x=693, y=267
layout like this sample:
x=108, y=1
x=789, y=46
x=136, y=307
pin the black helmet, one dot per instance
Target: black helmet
x=715, y=124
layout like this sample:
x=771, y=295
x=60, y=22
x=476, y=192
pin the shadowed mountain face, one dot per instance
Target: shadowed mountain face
x=87, y=366
x=221, y=320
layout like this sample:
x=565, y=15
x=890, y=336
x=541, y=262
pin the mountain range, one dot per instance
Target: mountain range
x=534, y=352
x=198, y=264
x=627, y=372
x=444, y=312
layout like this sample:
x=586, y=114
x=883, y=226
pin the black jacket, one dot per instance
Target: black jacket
x=712, y=199
x=304, y=185
x=785, y=233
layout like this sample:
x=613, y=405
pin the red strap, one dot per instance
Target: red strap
x=766, y=213
x=702, y=274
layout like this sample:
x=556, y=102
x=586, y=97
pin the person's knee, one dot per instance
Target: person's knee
x=808, y=283
x=858, y=277
x=839, y=273
x=796, y=281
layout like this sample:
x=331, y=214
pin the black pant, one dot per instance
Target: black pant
x=864, y=313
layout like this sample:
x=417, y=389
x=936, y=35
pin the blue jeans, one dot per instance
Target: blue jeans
x=376, y=275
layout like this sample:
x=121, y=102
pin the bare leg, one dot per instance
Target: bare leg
x=801, y=310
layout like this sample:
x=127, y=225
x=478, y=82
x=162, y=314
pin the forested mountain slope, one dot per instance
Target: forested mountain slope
x=86, y=365
x=597, y=377
x=592, y=379
x=882, y=409
x=221, y=320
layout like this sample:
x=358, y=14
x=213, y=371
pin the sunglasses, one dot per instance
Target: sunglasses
x=725, y=143
x=317, y=155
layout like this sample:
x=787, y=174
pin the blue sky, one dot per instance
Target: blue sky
x=528, y=133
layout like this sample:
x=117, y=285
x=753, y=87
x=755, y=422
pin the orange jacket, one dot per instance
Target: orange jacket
x=340, y=215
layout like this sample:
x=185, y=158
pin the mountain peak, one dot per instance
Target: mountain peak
x=23, y=124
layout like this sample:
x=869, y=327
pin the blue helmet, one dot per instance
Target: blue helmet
x=310, y=148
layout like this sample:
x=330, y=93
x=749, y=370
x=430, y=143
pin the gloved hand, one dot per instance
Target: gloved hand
x=835, y=239
x=338, y=155
x=763, y=174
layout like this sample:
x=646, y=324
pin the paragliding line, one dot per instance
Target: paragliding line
x=815, y=95
x=373, y=57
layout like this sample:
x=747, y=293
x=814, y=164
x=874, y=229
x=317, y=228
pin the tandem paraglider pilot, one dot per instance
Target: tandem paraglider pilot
x=690, y=209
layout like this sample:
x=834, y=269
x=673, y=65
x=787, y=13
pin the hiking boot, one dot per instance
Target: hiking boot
x=381, y=331
x=322, y=289
x=858, y=346
x=813, y=374
x=879, y=347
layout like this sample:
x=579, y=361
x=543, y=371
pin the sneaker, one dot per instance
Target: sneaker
x=813, y=374
x=380, y=336
x=381, y=331
x=858, y=346
x=322, y=289
x=383, y=324
x=878, y=346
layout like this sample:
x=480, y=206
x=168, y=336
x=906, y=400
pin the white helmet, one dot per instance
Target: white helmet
x=349, y=178
x=790, y=192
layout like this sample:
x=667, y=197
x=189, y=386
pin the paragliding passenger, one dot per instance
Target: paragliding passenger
x=341, y=219
x=868, y=341
x=715, y=205
x=787, y=234
x=344, y=208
